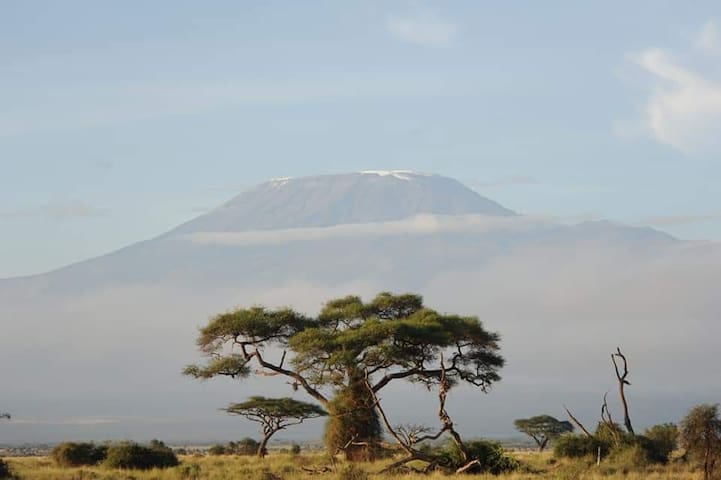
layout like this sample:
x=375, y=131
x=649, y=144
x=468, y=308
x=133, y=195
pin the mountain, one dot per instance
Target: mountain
x=94, y=350
x=325, y=200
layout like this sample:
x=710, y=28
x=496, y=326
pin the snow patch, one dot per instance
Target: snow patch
x=279, y=182
x=399, y=174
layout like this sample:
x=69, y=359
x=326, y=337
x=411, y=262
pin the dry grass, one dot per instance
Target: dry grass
x=290, y=467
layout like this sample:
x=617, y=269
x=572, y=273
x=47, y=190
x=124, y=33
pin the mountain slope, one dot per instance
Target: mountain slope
x=326, y=200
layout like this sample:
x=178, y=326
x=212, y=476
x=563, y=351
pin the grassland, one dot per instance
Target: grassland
x=292, y=467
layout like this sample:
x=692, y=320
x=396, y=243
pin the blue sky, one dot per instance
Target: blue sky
x=119, y=120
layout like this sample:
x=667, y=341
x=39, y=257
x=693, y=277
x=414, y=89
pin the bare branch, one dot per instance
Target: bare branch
x=577, y=422
x=622, y=382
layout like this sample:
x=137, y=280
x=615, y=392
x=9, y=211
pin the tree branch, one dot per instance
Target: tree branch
x=298, y=377
x=578, y=424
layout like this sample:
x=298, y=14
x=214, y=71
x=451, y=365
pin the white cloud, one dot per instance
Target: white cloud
x=422, y=28
x=684, y=107
x=421, y=224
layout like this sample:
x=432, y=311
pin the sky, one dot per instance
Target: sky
x=120, y=120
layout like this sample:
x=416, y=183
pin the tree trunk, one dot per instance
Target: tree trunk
x=263, y=446
x=353, y=426
x=542, y=444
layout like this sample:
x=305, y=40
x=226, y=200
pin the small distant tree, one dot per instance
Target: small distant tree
x=275, y=414
x=543, y=428
x=701, y=436
x=4, y=415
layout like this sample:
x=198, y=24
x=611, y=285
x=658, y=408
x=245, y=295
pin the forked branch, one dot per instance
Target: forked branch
x=622, y=382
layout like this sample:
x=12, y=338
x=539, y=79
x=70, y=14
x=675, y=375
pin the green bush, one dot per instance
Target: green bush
x=132, y=455
x=664, y=438
x=295, y=449
x=578, y=446
x=246, y=446
x=76, y=454
x=490, y=455
x=217, y=449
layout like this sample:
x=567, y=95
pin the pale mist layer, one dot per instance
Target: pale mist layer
x=95, y=351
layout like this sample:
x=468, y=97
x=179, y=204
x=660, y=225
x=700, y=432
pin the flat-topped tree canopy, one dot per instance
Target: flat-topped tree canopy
x=350, y=342
x=275, y=414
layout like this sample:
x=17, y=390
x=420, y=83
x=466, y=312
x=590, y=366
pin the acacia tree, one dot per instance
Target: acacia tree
x=542, y=428
x=349, y=344
x=275, y=414
x=701, y=436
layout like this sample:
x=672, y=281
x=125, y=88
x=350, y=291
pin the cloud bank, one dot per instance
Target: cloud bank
x=421, y=224
x=683, y=109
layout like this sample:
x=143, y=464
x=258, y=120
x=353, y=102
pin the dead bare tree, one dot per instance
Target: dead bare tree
x=577, y=422
x=607, y=420
x=622, y=382
x=409, y=438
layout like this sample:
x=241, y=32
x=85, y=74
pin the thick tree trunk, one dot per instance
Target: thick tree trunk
x=353, y=427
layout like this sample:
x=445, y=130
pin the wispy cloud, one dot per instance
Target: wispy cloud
x=422, y=224
x=709, y=38
x=56, y=211
x=422, y=27
x=683, y=109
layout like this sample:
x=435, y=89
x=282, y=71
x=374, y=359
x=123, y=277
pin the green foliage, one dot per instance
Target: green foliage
x=276, y=409
x=245, y=446
x=128, y=455
x=611, y=434
x=489, y=454
x=392, y=337
x=74, y=454
x=700, y=433
x=664, y=440
x=275, y=414
x=295, y=449
x=217, y=449
x=579, y=446
x=543, y=428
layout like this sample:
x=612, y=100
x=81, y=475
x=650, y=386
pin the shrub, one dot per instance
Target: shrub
x=578, y=446
x=5, y=472
x=490, y=455
x=295, y=449
x=664, y=438
x=141, y=457
x=217, y=450
x=246, y=446
x=76, y=454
